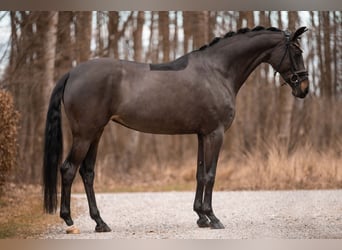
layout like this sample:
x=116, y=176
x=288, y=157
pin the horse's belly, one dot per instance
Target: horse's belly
x=167, y=119
x=158, y=125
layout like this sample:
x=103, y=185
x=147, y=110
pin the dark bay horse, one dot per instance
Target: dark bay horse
x=194, y=94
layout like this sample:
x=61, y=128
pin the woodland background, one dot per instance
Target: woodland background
x=275, y=142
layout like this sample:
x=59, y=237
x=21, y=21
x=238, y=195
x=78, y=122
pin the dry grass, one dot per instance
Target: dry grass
x=305, y=168
x=276, y=169
x=21, y=213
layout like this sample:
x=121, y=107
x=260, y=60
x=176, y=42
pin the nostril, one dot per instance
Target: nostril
x=304, y=86
x=304, y=93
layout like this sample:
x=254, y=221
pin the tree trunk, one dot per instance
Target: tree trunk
x=164, y=34
x=113, y=34
x=83, y=35
x=187, y=29
x=327, y=80
x=200, y=29
x=47, y=30
x=64, y=46
x=50, y=55
x=137, y=36
x=320, y=54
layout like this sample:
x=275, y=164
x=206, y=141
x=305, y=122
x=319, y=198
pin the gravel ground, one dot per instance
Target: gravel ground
x=246, y=215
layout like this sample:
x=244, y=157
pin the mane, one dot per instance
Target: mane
x=233, y=33
x=182, y=62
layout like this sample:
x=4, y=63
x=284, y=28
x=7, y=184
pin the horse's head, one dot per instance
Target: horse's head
x=288, y=61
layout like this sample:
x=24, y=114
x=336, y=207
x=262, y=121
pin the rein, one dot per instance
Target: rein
x=296, y=74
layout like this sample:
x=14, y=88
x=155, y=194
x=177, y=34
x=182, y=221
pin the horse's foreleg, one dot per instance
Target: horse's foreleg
x=212, y=146
x=87, y=173
x=200, y=178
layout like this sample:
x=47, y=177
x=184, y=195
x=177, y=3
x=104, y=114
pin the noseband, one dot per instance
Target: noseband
x=296, y=76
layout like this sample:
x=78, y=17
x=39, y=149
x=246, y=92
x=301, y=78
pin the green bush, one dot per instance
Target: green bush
x=9, y=118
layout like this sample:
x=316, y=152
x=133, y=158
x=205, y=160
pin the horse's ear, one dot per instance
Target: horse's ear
x=298, y=32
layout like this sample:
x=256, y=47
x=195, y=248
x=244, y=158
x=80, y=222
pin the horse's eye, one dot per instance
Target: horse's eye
x=298, y=54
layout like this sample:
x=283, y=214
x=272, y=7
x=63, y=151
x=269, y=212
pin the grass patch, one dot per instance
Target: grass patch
x=8, y=230
x=168, y=187
x=21, y=213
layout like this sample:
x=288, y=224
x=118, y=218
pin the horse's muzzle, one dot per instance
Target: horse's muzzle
x=302, y=89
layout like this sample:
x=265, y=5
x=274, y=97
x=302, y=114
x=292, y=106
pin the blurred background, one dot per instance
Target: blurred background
x=275, y=142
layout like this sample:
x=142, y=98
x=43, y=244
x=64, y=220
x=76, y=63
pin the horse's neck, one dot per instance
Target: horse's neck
x=240, y=58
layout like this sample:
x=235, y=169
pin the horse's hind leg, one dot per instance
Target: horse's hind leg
x=87, y=173
x=68, y=171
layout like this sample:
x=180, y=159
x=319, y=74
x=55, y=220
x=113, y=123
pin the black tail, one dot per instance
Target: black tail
x=53, y=148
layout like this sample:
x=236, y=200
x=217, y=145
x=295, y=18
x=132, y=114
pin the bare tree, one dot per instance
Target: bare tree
x=200, y=29
x=137, y=36
x=113, y=34
x=164, y=34
x=188, y=19
x=327, y=80
x=64, y=45
x=50, y=54
x=83, y=35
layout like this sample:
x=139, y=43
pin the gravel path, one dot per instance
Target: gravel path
x=246, y=215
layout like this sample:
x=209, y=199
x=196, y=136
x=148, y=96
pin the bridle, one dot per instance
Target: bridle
x=296, y=76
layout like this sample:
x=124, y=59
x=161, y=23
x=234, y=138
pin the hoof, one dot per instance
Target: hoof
x=216, y=225
x=203, y=222
x=72, y=230
x=103, y=228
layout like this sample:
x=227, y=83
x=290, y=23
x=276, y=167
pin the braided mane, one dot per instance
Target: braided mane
x=240, y=31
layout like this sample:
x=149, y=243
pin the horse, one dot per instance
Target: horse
x=194, y=94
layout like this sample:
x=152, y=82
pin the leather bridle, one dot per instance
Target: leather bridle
x=296, y=76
